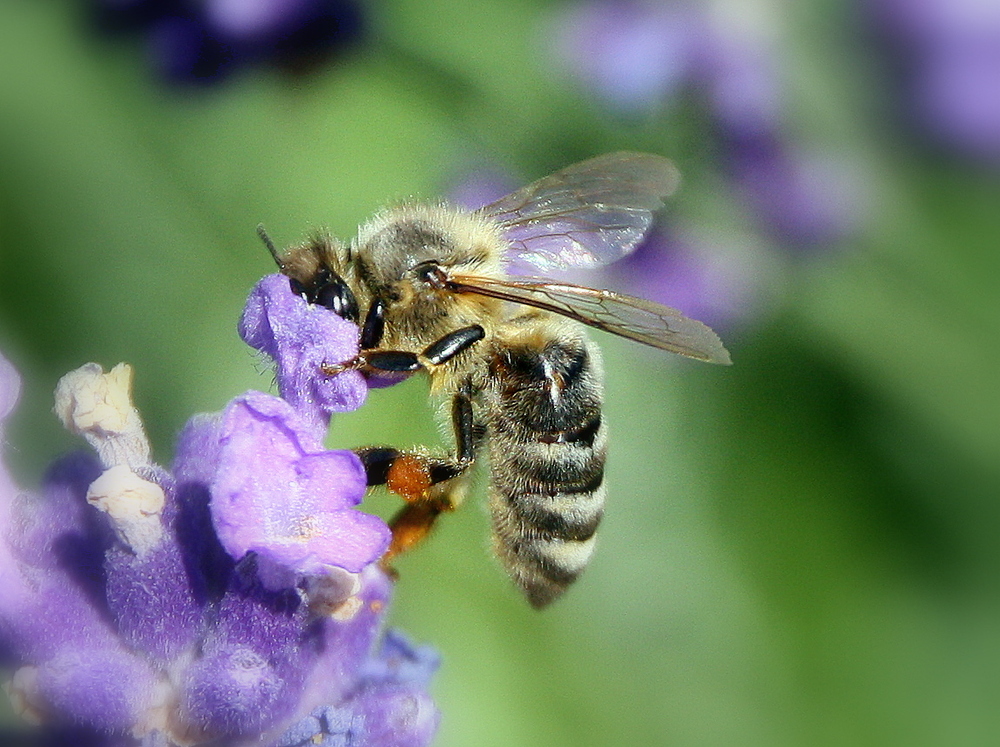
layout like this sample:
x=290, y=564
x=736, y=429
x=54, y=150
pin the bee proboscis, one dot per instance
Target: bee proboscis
x=433, y=289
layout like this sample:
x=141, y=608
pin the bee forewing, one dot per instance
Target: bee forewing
x=586, y=215
x=627, y=316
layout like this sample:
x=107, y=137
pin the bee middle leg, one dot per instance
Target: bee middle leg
x=430, y=485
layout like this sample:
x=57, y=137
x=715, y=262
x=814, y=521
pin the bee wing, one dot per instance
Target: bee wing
x=586, y=215
x=627, y=316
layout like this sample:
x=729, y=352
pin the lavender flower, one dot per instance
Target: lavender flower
x=234, y=599
x=950, y=58
x=206, y=40
x=299, y=338
x=635, y=56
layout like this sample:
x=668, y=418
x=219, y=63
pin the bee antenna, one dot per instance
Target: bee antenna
x=270, y=246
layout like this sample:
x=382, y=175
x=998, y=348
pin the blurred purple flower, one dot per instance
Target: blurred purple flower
x=718, y=285
x=205, y=40
x=632, y=54
x=801, y=196
x=635, y=56
x=474, y=188
x=950, y=55
x=234, y=599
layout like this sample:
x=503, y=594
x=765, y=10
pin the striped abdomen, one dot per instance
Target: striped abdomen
x=547, y=451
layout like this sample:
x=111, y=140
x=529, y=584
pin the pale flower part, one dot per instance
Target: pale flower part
x=99, y=407
x=133, y=505
x=10, y=390
x=22, y=685
x=334, y=593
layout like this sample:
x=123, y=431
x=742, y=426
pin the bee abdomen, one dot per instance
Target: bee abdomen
x=547, y=453
x=544, y=551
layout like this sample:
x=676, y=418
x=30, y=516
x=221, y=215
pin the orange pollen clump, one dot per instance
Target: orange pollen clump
x=408, y=478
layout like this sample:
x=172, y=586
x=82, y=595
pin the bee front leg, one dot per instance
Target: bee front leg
x=405, y=361
x=429, y=485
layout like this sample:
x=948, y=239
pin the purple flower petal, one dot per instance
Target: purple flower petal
x=54, y=572
x=152, y=600
x=253, y=663
x=300, y=338
x=11, y=581
x=278, y=494
x=198, y=447
x=399, y=662
x=233, y=691
x=347, y=643
x=390, y=716
x=104, y=688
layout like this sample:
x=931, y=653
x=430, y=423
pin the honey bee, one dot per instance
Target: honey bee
x=433, y=290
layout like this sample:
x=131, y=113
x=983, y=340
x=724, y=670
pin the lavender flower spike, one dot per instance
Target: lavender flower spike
x=233, y=600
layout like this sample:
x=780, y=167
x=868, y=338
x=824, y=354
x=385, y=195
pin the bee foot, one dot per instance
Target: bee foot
x=355, y=364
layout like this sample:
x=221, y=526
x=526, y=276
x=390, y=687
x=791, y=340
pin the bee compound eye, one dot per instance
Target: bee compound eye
x=298, y=289
x=337, y=296
x=430, y=272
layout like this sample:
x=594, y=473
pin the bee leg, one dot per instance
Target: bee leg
x=404, y=361
x=427, y=484
x=452, y=344
x=374, y=326
x=414, y=521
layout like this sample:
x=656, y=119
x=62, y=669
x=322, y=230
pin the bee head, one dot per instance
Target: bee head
x=312, y=271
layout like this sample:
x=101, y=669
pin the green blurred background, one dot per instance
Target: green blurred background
x=801, y=549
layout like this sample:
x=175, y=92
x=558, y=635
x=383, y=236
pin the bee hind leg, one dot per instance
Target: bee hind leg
x=429, y=485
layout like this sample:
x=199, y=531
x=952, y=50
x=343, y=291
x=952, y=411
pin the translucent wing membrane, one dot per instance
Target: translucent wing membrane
x=586, y=215
x=627, y=316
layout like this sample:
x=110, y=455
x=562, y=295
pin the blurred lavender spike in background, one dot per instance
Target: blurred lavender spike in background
x=632, y=55
x=635, y=56
x=949, y=55
x=204, y=41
